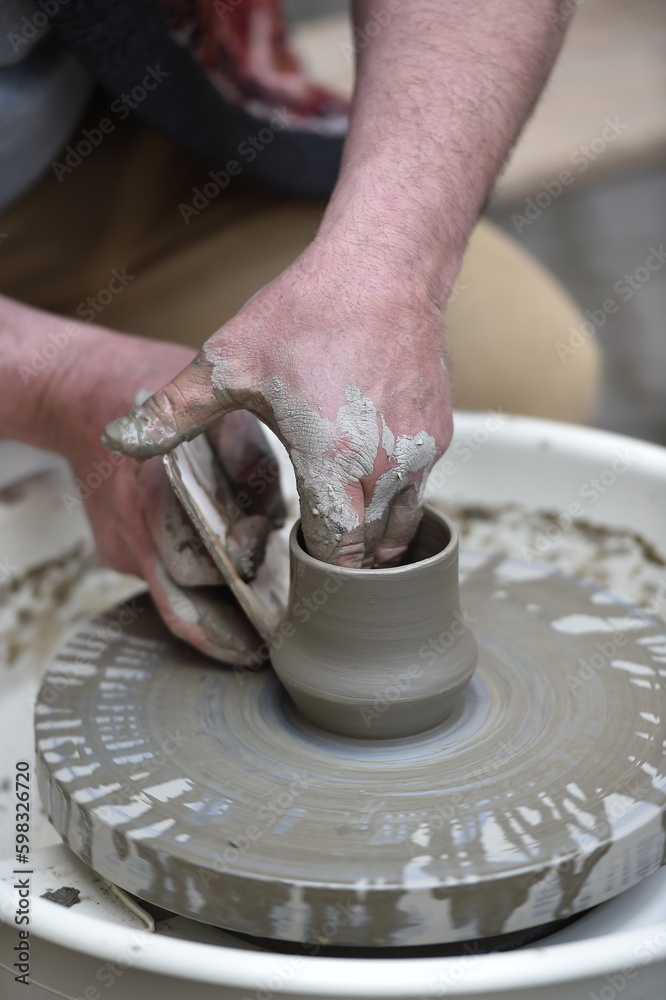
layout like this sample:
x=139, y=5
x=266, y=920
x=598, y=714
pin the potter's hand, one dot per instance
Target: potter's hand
x=350, y=377
x=61, y=400
x=141, y=528
x=342, y=354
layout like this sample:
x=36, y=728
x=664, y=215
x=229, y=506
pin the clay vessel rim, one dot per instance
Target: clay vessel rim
x=445, y=554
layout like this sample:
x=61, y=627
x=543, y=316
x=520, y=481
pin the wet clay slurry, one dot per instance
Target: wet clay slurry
x=202, y=789
x=377, y=653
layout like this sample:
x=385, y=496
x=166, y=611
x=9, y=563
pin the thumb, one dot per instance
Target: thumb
x=177, y=412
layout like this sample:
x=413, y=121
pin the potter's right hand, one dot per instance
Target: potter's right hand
x=349, y=373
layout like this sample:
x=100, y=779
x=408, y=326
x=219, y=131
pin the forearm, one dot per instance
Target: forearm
x=36, y=349
x=442, y=91
x=62, y=380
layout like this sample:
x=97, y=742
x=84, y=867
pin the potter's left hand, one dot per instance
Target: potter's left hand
x=60, y=400
x=348, y=370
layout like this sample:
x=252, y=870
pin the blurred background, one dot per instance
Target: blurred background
x=601, y=121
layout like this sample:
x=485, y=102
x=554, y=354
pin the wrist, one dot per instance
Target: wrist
x=402, y=242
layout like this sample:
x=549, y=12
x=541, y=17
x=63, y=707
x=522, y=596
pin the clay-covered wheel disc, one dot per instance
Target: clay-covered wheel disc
x=195, y=786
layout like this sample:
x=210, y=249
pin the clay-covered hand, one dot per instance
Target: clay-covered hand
x=141, y=528
x=352, y=380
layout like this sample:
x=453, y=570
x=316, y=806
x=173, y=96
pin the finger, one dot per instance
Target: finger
x=402, y=523
x=373, y=532
x=396, y=498
x=334, y=540
x=177, y=412
x=388, y=511
x=378, y=493
x=246, y=544
x=241, y=445
x=208, y=618
x=370, y=499
x=182, y=550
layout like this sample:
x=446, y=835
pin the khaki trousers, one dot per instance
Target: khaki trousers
x=107, y=237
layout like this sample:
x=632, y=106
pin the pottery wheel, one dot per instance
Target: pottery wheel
x=541, y=796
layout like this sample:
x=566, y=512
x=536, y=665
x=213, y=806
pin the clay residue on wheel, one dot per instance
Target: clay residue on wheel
x=618, y=558
x=66, y=895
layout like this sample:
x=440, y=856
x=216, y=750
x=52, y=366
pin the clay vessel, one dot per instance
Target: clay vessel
x=377, y=653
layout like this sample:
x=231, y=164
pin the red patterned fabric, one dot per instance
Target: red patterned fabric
x=241, y=44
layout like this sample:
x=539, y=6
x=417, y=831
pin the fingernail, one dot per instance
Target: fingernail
x=140, y=433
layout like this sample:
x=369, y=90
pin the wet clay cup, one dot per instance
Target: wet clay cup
x=377, y=653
